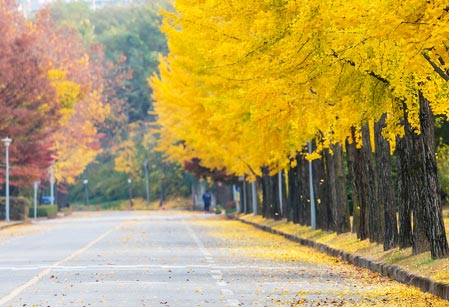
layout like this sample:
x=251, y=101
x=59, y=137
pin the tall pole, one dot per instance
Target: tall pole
x=254, y=196
x=147, y=185
x=52, y=185
x=162, y=200
x=130, y=193
x=245, y=209
x=312, y=194
x=36, y=186
x=7, y=141
x=281, y=202
x=86, y=190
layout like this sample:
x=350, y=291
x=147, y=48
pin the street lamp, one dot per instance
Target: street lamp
x=130, y=193
x=7, y=141
x=147, y=186
x=86, y=190
x=86, y=193
x=52, y=185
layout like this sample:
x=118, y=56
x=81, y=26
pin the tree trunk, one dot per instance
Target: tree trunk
x=435, y=223
x=282, y=194
x=375, y=216
x=404, y=194
x=359, y=182
x=266, y=202
x=385, y=185
x=350, y=157
x=224, y=195
x=304, y=199
x=416, y=185
x=322, y=195
x=329, y=181
x=294, y=191
x=270, y=192
x=341, y=208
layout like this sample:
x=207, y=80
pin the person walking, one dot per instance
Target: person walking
x=207, y=199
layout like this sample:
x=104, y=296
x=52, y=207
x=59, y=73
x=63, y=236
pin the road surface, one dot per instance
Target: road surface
x=134, y=259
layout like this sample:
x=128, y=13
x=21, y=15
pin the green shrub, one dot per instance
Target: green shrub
x=443, y=169
x=18, y=208
x=45, y=211
x=230, y=211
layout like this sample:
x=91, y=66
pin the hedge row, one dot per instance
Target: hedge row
x=44, y=211
x=18, y=208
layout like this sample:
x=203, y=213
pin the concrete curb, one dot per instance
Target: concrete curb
x=10, y=224
x=391, y=271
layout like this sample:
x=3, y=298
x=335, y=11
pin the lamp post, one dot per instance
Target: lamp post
x=36, y=186
x=147, y=185
x=86, y=190
x=130, y=193
x=7, y=141
x=312, y=194
x=52, y=185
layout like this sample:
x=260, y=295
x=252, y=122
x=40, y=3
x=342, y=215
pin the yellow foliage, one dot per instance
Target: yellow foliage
x=248, y=83
x=67, y=93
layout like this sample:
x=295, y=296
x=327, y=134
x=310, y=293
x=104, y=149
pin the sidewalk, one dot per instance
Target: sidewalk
x=392, y=271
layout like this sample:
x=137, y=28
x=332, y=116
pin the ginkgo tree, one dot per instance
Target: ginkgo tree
x=247, y=85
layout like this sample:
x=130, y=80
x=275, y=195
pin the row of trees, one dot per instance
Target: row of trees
x=53, y=97
x=247, y=85
x=131, y=36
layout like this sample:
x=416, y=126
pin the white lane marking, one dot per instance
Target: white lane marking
x=124, y=282
x=216, y=273
x=40, y=275
x=145, y=266
x=233, y=303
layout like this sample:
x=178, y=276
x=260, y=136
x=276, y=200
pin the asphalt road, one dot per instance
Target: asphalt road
x=134, y=259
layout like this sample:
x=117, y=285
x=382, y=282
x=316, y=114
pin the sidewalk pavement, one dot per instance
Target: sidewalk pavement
x=392, y=271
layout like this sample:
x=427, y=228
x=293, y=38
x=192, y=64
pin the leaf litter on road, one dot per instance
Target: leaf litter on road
x=357, y=287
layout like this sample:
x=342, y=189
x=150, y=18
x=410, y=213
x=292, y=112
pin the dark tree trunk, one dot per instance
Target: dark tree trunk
x=304, y=199
x=412, y=185
x=385, y=185
x=416, y=185
x=322, y=194
x=266, y=194
x=62, y=196
x=375, y=211
x=224, y=195
x=248, y=203
x=341, y=209
x=404, y=193
x=270, y=201
x=435, y=223
x=294, y=191
x=359, y=182
x=329, y=181
x=350, y=157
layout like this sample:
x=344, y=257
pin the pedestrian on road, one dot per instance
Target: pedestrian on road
x=207, y=198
